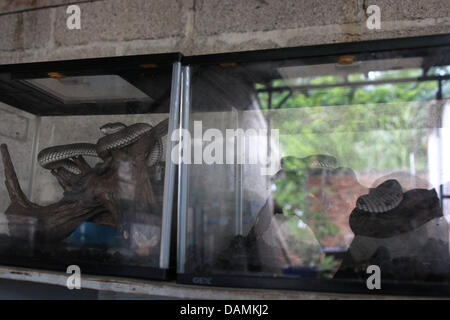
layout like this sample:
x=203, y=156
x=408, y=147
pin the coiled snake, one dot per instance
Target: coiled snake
x=383, y=198
x=117, y=136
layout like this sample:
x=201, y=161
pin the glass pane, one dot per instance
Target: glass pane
x=106, y=88
x=446, y=89
x=339, y=167
x=91, y=185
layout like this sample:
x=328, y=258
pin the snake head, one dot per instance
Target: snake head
x=112, y=127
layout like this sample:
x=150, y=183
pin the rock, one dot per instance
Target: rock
x=421, y=254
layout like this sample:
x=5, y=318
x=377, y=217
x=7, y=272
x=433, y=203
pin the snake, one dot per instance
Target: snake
x=315, y=161
x=116, y=136
x=383, y=198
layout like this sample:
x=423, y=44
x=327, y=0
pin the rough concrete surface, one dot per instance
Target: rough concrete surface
x=36, y=30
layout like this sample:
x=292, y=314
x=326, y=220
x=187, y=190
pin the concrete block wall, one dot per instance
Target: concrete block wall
x=35, y=30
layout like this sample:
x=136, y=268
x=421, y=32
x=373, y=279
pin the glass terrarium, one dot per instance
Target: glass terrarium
x=318, y=168
x=84, y=160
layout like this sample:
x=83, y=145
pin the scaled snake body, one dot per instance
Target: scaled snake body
x=383, y=198
x=117, y=136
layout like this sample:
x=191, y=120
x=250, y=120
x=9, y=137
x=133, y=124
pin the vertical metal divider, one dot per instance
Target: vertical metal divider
x=183, y=171
x=170, y=170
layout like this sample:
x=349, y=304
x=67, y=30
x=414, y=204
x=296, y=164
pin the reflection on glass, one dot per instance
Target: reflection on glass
x=361, y=173
x=439, y=71
x=446, y=89
x=90, y=88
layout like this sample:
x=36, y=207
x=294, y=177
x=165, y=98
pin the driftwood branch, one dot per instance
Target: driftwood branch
x=12, y=183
